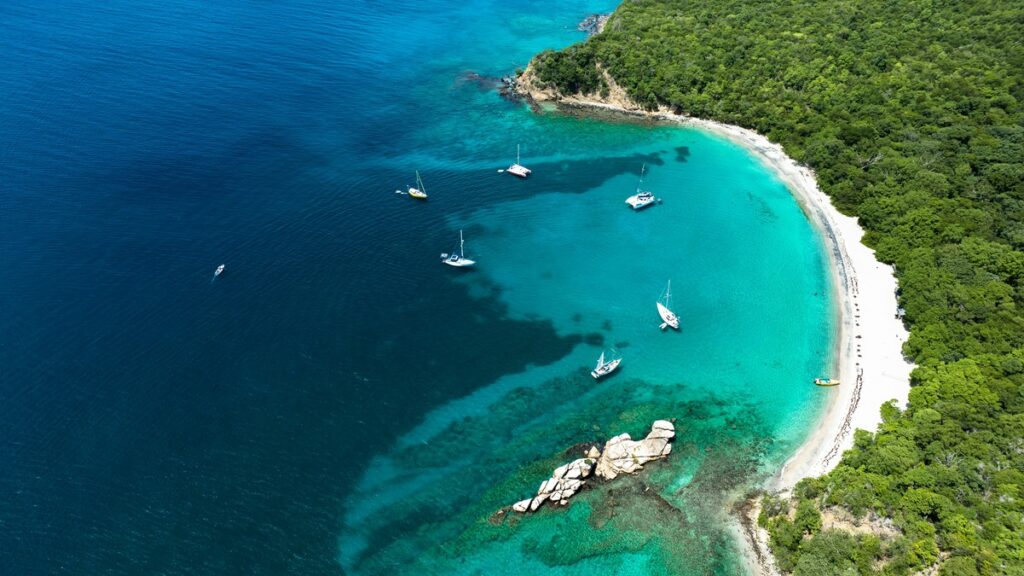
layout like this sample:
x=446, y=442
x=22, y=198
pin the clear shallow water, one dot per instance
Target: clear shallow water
x=337, y=400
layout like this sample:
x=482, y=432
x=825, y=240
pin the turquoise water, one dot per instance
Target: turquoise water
x=751, y=289
x=339, y=401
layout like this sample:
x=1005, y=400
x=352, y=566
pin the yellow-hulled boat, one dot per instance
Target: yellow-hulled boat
x=826, y=382
x=419, y=191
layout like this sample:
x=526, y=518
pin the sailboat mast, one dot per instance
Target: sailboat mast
x=462, y=250
x=517, y=153
x=668, y=292
x=641, y=182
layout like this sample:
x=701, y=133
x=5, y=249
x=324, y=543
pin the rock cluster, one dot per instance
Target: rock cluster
x=624, y=455
x=593, y=24
x=621, y=455
x=563, y=484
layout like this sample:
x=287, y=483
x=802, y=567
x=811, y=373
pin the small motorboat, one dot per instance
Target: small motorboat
x=826, y=382
x=218, y=271
x=605, y=368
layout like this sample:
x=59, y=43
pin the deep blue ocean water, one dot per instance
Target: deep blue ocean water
x=155, y=420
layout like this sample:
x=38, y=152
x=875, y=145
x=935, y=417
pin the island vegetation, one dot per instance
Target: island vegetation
x=910, y=114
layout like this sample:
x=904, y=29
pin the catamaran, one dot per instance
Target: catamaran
x=668, y=317
x=641, y=199
x=419, y=191
x=604, y=368
x=458, y=260
x=518, y=169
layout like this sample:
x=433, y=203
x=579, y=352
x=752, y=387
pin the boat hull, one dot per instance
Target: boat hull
x=670, y=320
x=460, y=263
x=606, y=369
x=520, y=171
x=637, y=203
x=417, y=194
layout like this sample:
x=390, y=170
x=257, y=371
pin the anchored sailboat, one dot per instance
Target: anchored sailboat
x=458, y=260
x=518, y=169
x=605, y=368
x=668, y=317
x=641, y=199
x=419, y=191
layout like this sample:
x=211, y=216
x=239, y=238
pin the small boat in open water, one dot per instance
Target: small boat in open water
x=218, y=271
x=642, y=199
x=826, y=382
x=419, y=191
x=668, y=318
x=458, y=259
x=517, y=169
x=605, y=368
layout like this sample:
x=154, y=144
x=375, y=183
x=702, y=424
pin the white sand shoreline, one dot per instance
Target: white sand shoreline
x=869, y=360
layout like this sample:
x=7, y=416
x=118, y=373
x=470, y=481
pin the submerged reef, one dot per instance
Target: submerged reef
x=437, y=513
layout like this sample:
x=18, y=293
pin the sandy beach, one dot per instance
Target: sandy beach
x=868, y=362
x=869, y=359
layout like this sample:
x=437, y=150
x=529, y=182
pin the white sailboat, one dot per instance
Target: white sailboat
x=517, y=169
x=419, y=191
x=605, y=368
x=668, y=317
x=641, y=199
x=459, y=259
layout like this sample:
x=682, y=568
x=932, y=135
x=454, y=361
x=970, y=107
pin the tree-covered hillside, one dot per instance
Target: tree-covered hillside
x=910, y=113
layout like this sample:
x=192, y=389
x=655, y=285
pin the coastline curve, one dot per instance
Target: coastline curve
x=869, y=360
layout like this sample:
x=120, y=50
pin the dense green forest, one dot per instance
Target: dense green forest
x=910, y=113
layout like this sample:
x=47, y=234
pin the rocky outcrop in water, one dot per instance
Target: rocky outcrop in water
x=621, y=455
x=564, y=483
x=506, y=86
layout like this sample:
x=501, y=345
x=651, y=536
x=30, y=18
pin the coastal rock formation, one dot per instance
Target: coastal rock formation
x=593, y=24
x=533, y=89
x=623, y=455
x=563, y=484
